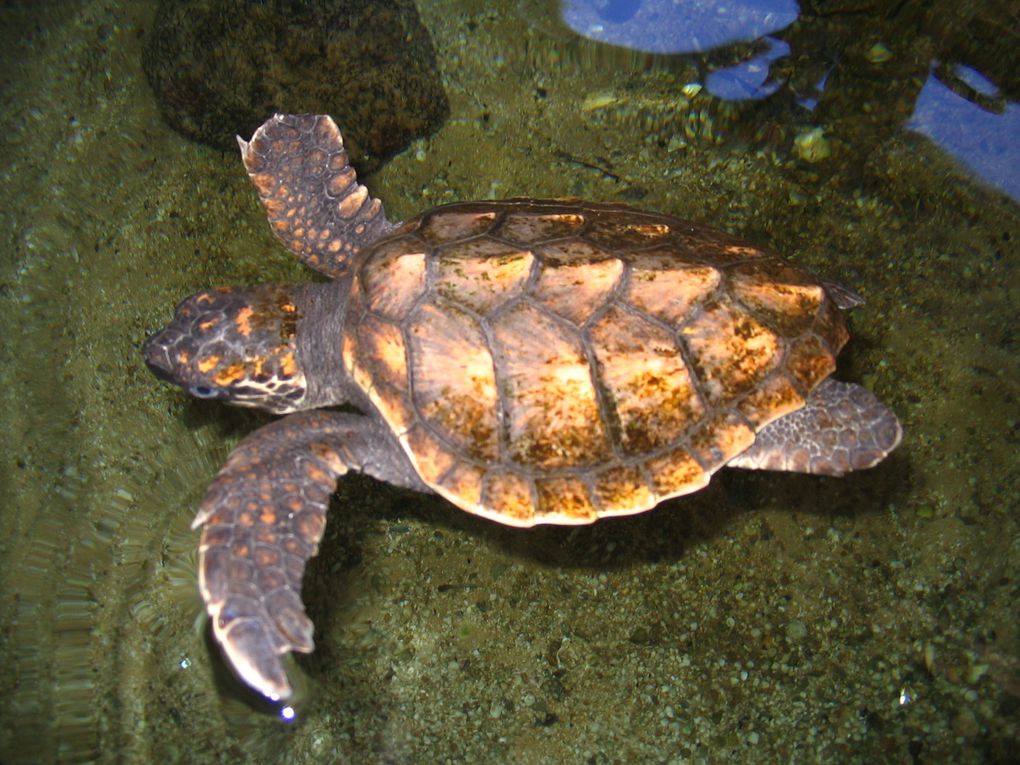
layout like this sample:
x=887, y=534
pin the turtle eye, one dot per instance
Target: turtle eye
x=202, y=391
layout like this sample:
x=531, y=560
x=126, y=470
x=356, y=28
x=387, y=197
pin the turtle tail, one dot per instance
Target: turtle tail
x=310, y=192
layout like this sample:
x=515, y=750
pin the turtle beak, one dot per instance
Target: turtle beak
x=157, y=359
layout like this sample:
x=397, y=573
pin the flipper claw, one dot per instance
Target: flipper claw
x=262, y=520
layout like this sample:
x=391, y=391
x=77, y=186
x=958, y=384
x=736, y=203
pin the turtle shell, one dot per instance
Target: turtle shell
x=559, y=361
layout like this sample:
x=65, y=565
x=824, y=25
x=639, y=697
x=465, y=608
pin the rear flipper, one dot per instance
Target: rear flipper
x=262, y=520
x=842, y=427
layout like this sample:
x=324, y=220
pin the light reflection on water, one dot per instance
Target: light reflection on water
x=976, y=131
x=748, y=80
x=981, y=137
x=677, y=26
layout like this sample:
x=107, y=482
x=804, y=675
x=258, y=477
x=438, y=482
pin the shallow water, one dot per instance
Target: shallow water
x=768, y=618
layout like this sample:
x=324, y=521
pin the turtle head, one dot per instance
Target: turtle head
x=236, y=346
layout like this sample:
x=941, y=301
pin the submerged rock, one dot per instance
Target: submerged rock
x=220, y=67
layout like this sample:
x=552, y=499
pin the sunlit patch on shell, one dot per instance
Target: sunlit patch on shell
x=508, y=498
x=711, y=246
x=552, y=411
x=564, y=500
x=660, y=287
x=481, y=273
x=675, y=473
x=731, y=351
x=462, y=484
x=720, y=438
x=737, y=252
x=454, y=379
x=527, y=228
x=769, y=401
x=647, y=380
x=622, y=490
x=809, y=362
x=574, y=287
x=379, y=361
x=779, y=292
x=381, y=351
x=431, y=458
x=445, y=225
x=575, y=251
x=394, y=277
x=624, y=230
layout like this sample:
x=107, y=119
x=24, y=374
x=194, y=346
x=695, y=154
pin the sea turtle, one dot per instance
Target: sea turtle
x=531, y=361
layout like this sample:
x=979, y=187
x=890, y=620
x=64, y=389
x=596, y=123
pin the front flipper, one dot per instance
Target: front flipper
x=262, y=520
x=310, y=192
x=841, y=427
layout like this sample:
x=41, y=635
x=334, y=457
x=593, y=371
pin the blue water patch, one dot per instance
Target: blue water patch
x=983, y=139
x=677, y=26
x=749, y=80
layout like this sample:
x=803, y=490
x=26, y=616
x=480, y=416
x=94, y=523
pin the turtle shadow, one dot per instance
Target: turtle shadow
x=667, y=532
x=367, y=516
x=363, y=506
x=465, y=556
x=663, y=534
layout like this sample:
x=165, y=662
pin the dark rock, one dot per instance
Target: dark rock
x=220, y=67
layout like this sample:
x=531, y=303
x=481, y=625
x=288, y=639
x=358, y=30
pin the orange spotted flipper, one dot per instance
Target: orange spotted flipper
x=311, y=194
x=262, y=519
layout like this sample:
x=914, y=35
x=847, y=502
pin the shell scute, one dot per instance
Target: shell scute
x=552, y=409
x=712, y=246
x=564, y=500
x=719, y=439
x=644, y=373
x=620, y=234
x=770, y=400
x=512, y=493
x=809, y=361
x=482, y=273
x=622, y=490
x=730, y=349
x=376, y=355
x=575, y=285
x=454, y=379
x=441, y=226
x=395, y=277
x=778, y=292
x=463, y=481
x=432, y=458
x=676, y=472
x=830, y=325
x=526, y=228
x=667, y=289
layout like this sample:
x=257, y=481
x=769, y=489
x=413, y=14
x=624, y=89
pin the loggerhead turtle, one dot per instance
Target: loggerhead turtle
x=532, y=361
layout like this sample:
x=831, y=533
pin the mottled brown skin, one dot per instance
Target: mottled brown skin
x=532, y=361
